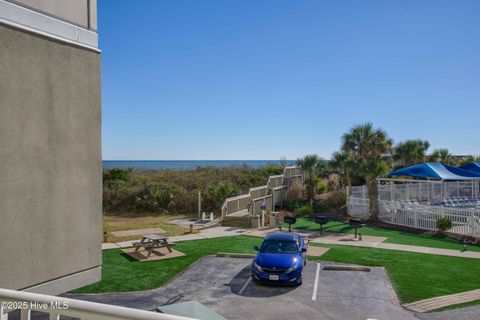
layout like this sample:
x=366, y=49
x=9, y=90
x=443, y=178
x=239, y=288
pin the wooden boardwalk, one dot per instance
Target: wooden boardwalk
x=443, y=301
x=241, y=213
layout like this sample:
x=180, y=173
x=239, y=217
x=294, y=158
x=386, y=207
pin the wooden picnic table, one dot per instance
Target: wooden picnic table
x=151, y=242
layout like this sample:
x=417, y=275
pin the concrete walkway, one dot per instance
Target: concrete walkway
x=400, y=247
x=371, y=242
x=215, y=232
x=443, y=301
x=466, y=313
x=328, y=238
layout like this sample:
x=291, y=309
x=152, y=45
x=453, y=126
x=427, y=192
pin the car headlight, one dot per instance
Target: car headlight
x=256, y=266
x=292, y=268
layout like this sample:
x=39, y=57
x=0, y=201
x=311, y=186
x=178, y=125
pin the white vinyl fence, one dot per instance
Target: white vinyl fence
x=358, y=207
x=465, y=221
x=420, y=204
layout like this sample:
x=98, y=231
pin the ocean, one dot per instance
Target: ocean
x=187, y=164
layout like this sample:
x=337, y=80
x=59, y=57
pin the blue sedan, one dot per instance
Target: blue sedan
x=280, y=259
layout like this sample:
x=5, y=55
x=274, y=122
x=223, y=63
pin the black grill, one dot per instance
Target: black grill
x=274, y=271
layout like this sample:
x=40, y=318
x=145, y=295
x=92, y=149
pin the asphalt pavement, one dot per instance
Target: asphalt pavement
x=224, y=285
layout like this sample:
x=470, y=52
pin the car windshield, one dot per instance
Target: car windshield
x=279, y=246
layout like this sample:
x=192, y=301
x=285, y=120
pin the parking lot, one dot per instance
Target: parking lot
x=224, y=285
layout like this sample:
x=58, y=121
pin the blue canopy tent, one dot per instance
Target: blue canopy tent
x=472, y=167
x=436, y=171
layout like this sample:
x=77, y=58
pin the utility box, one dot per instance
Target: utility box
x=255, y=221
x=274, y=219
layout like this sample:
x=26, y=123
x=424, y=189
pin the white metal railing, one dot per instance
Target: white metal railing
x=55, y=307
x=425, y=191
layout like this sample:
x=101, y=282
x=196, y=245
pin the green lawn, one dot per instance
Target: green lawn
x=415, y=276
x=121, y=273
x=393, y=236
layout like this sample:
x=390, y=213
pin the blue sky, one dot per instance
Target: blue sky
x=264, y=79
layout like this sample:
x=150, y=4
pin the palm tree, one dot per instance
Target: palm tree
x=442, y=155
x=309, y=165
x=322, y=168
x=369, y=148
x=410, y=152
x=469, y=159
x=342, y=163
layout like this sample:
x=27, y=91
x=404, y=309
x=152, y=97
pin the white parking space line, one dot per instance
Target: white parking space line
x=315, y=285
x=245, y=285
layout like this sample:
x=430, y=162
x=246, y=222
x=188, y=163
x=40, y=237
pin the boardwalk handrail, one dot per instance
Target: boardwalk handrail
x=278, y=182
x=240, y=205
x=59, y=306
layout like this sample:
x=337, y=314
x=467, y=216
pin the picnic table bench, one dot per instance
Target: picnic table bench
x=151, y=242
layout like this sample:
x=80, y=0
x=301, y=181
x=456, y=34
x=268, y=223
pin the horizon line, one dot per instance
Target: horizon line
x=208, y=160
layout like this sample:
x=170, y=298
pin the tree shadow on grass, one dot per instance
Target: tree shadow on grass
x=333, y=228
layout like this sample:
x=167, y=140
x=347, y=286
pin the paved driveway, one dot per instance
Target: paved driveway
x=223, y=284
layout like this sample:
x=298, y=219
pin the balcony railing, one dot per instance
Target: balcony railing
x=55, y=307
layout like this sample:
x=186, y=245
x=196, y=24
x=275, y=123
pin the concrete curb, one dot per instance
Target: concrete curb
x=346, y=268
x=236, y=255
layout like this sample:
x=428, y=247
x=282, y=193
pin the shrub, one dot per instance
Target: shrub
x=333, y=182
x=156, y=197
x=157, y=191
x=444, y=224
x=295, y=193
x=293, y=205
x=319, y=207
x=115, y=175
x=336, y=199
x=322, y=186
x=310, y=189
x=304, y=211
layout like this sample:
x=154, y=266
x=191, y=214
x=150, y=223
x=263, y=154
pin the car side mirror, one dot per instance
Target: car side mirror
x=256, y=248
x=303, y=250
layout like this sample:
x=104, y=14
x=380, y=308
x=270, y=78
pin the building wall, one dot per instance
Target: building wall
x=81, y=12
x=50, y=162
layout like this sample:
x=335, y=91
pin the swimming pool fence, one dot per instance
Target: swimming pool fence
x=419, y=204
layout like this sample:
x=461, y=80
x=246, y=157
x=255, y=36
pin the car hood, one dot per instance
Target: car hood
x=277, y=260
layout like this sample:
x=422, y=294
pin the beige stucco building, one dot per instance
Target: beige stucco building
x=50, y=145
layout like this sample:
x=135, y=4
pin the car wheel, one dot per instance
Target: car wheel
x=299, y=283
